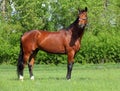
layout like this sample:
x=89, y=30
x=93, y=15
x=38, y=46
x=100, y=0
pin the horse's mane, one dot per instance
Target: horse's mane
x=73, y=24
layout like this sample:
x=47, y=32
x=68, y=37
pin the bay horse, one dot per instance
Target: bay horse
x=65, y=41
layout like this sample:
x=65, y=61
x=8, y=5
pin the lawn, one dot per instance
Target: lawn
x=89, y=77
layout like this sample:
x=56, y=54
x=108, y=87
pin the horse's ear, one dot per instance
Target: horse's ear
x=86, y=9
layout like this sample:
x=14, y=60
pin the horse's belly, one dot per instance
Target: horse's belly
x=53, y=48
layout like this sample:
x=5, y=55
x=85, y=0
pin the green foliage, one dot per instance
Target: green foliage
x=46, y=58
x=100, y=49
x=100, y=42
x=9, y=42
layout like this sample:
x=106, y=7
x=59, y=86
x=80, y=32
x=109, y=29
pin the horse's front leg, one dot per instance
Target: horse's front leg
x=70, y=64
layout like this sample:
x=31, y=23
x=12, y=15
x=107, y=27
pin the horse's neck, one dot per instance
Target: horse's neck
x=76, y=32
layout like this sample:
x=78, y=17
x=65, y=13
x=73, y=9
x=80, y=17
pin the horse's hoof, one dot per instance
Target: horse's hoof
x=32, y=77
x=68, y=77
x=21, y=78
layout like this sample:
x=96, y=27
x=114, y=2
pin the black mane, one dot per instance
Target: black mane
x=73, y=24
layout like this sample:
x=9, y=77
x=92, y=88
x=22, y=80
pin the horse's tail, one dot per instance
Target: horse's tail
x=20, y=60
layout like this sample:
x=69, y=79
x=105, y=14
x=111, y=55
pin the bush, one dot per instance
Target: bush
x=9, y=42
x=100, y=49
x=100, y=43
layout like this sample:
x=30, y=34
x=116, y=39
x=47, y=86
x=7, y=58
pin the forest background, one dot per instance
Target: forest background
x=101, y=40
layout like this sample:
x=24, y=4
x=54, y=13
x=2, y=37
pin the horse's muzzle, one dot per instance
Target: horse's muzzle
x=82, y=25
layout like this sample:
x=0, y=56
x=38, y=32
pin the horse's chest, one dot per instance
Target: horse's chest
x=76, y=46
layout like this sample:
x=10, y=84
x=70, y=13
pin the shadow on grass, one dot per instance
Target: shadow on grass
x=63, y=78
x=52, y=78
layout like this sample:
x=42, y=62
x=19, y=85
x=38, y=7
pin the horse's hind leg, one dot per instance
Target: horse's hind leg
x=21, y=65
x=31, y=63
x=20, y=68
x=25, y=59
x=30, y=66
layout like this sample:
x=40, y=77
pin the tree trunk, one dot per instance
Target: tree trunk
x=3, y=7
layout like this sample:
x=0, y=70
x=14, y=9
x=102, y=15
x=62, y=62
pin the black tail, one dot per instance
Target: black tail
x=20, y=61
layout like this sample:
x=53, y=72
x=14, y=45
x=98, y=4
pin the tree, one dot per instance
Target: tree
x=19, y=16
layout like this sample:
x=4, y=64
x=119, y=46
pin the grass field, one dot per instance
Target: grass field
x=101, y=77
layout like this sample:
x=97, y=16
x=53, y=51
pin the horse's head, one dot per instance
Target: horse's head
x=82, y=18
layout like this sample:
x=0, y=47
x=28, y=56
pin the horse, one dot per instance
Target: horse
x=65, y=41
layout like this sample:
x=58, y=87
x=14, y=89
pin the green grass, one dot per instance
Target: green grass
x=101, y=77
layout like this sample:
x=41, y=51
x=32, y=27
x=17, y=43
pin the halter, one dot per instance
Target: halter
x=82, y=18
